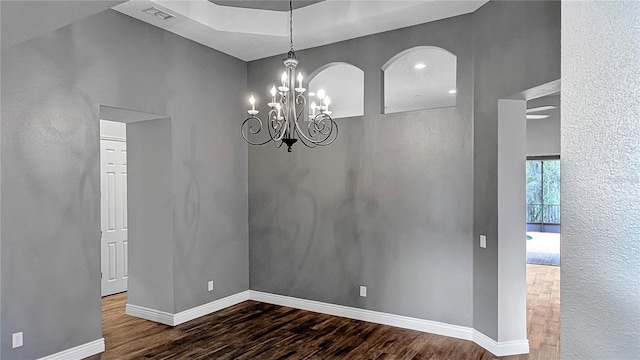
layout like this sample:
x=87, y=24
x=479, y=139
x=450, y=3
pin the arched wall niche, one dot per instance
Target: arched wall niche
x=419, y=78
x=344, y=84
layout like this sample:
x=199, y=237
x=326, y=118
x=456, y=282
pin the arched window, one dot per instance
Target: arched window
x=420, y=78
x=344, y=84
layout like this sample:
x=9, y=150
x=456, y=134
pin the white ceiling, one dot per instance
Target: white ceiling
x=550, y=104
x=250, y=33
x=277, y=5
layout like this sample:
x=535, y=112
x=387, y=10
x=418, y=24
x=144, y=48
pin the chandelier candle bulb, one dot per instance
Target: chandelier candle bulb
x=253, y=110
x=300, y=80
x=273, y=97
x=321, y=94
x=313, y=109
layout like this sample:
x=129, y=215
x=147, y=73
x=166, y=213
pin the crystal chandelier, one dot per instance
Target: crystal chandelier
x=286, y=119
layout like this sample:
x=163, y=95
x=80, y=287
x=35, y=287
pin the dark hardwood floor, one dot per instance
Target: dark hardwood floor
x=253, y=330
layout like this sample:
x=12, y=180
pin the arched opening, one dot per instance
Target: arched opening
x=342, y=82
x=419, y=78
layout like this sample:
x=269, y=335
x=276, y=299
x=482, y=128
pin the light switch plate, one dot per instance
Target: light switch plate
x=483, y=241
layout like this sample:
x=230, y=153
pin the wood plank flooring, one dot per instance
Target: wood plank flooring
x=253, y=330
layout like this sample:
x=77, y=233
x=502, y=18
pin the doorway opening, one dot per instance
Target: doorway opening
x=136, y=209
x=524, y=289
x=543, y=222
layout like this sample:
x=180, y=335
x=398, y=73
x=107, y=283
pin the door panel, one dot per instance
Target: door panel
x=113, y=203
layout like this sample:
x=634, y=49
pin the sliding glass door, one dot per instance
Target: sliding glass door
x=543, y=194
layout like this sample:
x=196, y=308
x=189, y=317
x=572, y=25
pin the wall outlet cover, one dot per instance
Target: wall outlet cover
x=363, y=291
x=16, y=340
x=483, y=241
x=210, y=286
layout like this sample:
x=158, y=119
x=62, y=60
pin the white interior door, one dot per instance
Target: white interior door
x=113, y=202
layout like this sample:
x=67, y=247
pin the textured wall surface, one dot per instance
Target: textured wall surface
x=516, y=47
x=600, y=309
x=52, y=88
x=388, y=205
x=23, y=20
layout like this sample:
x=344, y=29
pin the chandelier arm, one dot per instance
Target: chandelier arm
x=311, y=128
x=275, y=125
x=307, y=143
x=324, y=142
x=301, y=100
x=279, y=126
x=250, y=130
x=321, y=126
x=317, y=120
x=329, y=131
x=335, y=126
x=276, y=129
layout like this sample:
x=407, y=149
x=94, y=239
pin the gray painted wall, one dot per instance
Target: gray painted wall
x=52, y=87
x=516, y=47
x=600, y=315
x=0, y=203
x=388, y=205
x=512, y=272
x=150, y=215
x=24, y=20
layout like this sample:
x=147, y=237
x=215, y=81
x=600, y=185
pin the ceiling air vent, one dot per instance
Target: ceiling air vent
x=162, y=15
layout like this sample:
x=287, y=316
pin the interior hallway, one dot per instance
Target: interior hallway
x=253, y=330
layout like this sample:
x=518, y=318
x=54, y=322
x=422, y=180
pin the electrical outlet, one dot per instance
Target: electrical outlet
x=483, y=241
x=16, y=339
x=363, y=291
x=210, y=286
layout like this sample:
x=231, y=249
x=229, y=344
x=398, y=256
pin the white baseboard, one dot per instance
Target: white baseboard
x=433, y=327
x=504, y=348
x=428, y=326
x=209, y=308
x=187, y=315
x=161, y=317
x=78, y=352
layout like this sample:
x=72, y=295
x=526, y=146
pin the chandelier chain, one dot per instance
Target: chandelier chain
x=291, y=24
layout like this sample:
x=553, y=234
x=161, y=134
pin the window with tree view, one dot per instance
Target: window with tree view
x=543, y=191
